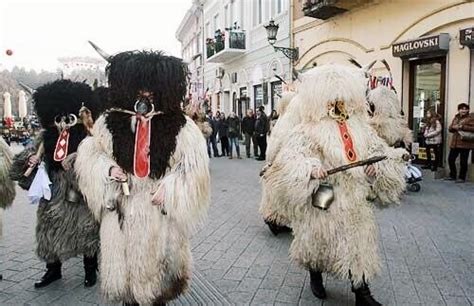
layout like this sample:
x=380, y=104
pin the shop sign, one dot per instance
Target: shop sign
x=431, y=44
x=466, y=37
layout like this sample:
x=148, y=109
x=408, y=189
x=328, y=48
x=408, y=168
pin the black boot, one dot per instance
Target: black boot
x=52, y=274
x=277, y=229
x=90, y=268
x=317, y=286
x=363, y=296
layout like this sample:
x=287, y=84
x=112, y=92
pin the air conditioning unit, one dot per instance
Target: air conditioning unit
x=220, y=73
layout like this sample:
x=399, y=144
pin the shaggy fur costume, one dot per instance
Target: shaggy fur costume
x=269, y=204
x=200, y=119
x=63, y=229
x=130, y=72
x=343, y=238
x=386, y=119
x=145, y=249
x=7, y=187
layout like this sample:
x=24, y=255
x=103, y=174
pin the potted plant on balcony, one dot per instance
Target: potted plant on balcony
x=219, y=37
x=210, y=47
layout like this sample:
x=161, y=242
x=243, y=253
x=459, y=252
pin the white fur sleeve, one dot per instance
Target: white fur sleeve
x=389, y=183
x=92, y=167
x=7, y=187
x=187, y=185
x=289, y=176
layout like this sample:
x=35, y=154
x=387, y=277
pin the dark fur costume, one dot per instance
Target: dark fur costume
x=130, y=72
x=64, y=229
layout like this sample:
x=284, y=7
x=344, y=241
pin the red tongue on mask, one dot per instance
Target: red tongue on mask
x=60, y=152
x=141, y=156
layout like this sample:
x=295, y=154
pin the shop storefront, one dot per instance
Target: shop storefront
x=425, y=59
x=276, y=90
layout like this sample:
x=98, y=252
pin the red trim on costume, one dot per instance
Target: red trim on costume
x=141, y=155
x=347, y=141
x=60, y=151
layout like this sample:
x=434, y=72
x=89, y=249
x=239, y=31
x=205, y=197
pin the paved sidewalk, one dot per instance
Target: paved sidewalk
x=427, y=248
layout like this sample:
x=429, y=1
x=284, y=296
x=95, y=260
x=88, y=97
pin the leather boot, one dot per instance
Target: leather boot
x=363, y=296
x=316, y=283
x=90, y=269
x=52, y=274
x=277, y=229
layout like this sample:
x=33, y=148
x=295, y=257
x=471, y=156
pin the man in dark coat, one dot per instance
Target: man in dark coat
x=248, y=127
x=261, y=130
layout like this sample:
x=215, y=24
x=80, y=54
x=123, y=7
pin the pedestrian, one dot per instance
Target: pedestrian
x=273, y=119
x=462, y=142
x=65, y=226
x=150, y=194
x=334, y=226
x=234, y=134
x=248, y=128
x=211, y=141
x=261, y=130
x=433, y=138
x=223, y=127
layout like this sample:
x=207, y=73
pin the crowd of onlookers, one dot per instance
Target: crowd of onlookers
x=462, y=141
x=253, y=129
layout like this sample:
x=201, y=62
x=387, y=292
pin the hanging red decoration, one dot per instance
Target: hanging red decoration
x=9, y=52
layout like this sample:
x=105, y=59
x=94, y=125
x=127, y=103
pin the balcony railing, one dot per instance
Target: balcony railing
x=225, y=46
x=325, y=9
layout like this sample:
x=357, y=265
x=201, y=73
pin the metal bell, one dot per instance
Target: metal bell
x=72, y=196
x=323, y=197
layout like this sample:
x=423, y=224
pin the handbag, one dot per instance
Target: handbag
x=466, y=136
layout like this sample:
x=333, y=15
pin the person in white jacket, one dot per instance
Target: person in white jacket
x=433, y=139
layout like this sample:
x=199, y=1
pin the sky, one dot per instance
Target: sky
x=40, y=31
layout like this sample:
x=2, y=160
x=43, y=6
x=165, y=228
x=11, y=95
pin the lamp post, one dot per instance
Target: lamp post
x=272, y=31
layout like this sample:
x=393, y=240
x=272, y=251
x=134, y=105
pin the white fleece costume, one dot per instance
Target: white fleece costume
x=7, y=187
x=343, y=239
x=387, y=119
x=148, y=258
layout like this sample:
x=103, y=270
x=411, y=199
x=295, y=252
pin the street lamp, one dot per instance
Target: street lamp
x=272, y=30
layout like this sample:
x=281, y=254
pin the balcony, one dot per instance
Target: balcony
x=225, y=46
x=325, y=9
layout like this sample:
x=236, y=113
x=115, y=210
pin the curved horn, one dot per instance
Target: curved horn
x=355, y=63
x=367, y=67
x=101, y=52
x=27, y=88
x=280, y=78
x=387, y=66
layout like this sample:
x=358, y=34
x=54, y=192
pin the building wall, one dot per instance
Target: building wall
x=256, y=66
x=368, y=32
x=189, y=34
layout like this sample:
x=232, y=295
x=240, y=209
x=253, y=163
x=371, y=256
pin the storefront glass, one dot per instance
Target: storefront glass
x=426, y=93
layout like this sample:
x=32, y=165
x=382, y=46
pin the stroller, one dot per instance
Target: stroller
x=413, y=176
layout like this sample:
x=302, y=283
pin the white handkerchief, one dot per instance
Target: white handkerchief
x=40, y=186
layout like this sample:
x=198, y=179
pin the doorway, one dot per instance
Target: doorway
x=427, y=92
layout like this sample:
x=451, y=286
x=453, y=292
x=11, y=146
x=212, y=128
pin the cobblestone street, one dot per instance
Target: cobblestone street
x=427, y=248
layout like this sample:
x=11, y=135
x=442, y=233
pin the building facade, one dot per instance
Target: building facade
x=239, y=63
x=428, y=45
x=189, y=34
